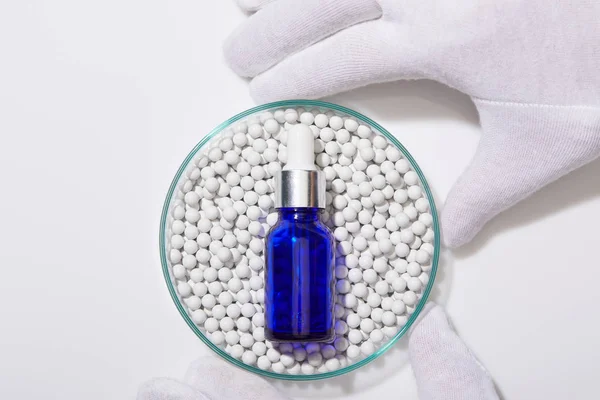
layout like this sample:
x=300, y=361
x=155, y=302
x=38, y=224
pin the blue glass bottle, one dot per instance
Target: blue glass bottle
x=299, y=251
x=300, y=285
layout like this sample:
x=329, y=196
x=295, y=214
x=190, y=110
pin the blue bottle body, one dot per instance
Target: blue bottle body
x=299, y=277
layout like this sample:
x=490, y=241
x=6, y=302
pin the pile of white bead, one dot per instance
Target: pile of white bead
x=223, y=210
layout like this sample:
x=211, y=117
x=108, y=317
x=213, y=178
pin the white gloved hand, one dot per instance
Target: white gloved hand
x=444, y=369
x=530, y=66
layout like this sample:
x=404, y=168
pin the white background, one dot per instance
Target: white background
x=99, y=103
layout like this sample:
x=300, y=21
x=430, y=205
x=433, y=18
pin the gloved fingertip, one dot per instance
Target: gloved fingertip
x=459, y=223
x=263, y=92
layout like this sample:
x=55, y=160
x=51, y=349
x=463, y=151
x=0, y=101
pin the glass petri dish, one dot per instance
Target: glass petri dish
x=180, y=176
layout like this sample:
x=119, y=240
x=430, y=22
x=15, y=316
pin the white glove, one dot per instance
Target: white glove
x=444, y=368
x=530, y=66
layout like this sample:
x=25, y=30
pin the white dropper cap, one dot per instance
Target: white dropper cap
x=300, y=149
x=300, y=184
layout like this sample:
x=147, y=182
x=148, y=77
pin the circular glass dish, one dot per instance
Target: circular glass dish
x=180, y=175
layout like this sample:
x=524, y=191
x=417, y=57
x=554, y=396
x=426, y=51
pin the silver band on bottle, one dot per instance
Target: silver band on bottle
x=296, y=188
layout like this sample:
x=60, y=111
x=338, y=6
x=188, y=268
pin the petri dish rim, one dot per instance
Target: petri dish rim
x=164, y=229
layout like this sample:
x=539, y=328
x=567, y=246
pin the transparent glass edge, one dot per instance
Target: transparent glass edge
x=163, y=232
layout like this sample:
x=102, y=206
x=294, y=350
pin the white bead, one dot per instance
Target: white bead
x=374, y=300
x=327, y=351
x=233, y=310
x=428, y=247
x=409, y=298
x=215, y=154
x=379, y=142
x=343, y=286
x=256, y=282
x=351, y=125
x=370, y=277
x=258, y=319
x=414, y=269
x=336, y=123
x=393, y=154
x=388, y=318
x=354, y=336
x=429, y=236
x=414, y=192
x=258, y=173
x=344, y=248
x=179, y=271
x=363, y=311
x=231, y=157
x=378, y=221
x=177, y=241
x=400, y=196
x=367, y=325
x=380, y=265
x=321, y=120
x=260, y=349
x=225, y=274
x=360, y=243
x=327, y=135
x=200, y=289
x=411, y=178
x=246, y=340
x=184, y=289
x=382, y=288
x=338, y=186
x=348, y=150
x=341, y=271
x=367, y=153
x=211, y=325
x=367, y=231
x=407, y=236
x=278, y=367
x=273, y=355
x=365, y=261
x=314, y=359
x=414, y=284
x=349, y=214
x=307, y=118
x=199, y=317
x=353, y=351
x=263, y=362
x=423, y=257
x=219, y=312
x=256, y=264
x=272, y=126
x=379, y=156
x=398, y=307
x=215, y=288
x=243, y=296
x=224, y=254
x=251, y=197
x=387, y=302
x=399, y=285
x=341, y=344
x=418, y=228
x=332, y=364
x=249, y=358
x=367, y=348
x=352, y=260
x=353, y=320
x=376, y=335
x=339, y=202
x=193, y=302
